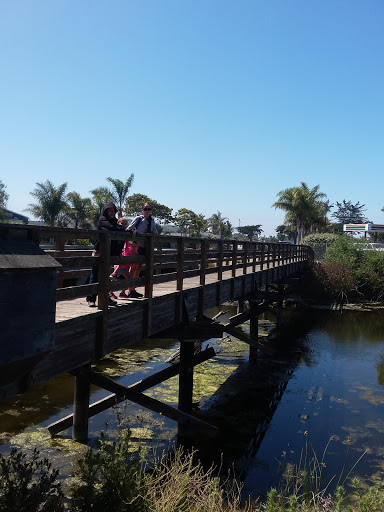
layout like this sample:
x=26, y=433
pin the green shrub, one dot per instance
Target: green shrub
x=110, y=479
x=319, y=238
x=348, y=272
x=28, y=485
x=345, y=251
x=352, y=272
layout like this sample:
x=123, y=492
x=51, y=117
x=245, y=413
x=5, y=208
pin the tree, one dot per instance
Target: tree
x=190, y=222
x=349, y=213
x=219, y=225
x=226, y=229
x=51, y=202
x=304, y=207
x=79, y=209
x=284, y=233
x=250, y=231
x=3, y=200
x=134, y=203
x=120, y=191
x=100, y=196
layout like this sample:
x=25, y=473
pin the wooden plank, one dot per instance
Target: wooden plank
x=74, y=292
x=78, y=261
x=73, y=274
x=165, y=278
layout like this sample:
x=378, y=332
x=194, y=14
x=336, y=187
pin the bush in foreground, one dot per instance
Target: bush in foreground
x=115, y=479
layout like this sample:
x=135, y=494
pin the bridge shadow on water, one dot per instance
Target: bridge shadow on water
x=244, y=405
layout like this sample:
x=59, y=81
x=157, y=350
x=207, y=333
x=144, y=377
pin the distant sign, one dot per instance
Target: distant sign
x=364, y=227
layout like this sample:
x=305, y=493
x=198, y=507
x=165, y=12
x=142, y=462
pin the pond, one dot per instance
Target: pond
x=322, y=379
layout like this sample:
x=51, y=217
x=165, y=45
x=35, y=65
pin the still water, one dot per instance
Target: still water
x=322, y=377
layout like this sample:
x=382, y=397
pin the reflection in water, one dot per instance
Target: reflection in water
x=324, y=376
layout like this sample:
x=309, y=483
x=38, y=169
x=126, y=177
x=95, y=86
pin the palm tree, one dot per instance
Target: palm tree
x=79, y=208
x=100, y=196
x=226, y=229
x=219, y=225
x=51, y=202
x=303, y=206
x=120, y=191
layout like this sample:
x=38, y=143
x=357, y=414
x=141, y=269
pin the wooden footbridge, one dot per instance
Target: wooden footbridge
x=48, y=328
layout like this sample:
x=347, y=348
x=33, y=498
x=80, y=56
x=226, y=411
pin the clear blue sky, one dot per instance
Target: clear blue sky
x=212, y=104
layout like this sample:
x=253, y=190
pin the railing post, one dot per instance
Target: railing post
x=203, y=261
x=104, y=269
x=245, y=257
x=254, y=257
x=234, y=258
x=179, y=279
x=148, y=294
x=59, y=243
x=34, y=235
x=262, y=256
x=220, y=258
x=234, y=263
x=203, y=266
x=180, y=263
x=254, y=245
x=102, y=301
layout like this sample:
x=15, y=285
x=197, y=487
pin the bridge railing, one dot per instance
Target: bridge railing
x=168, y=258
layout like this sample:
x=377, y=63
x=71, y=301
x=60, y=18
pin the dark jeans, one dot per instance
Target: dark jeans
x=141, y=251
x=94, y=278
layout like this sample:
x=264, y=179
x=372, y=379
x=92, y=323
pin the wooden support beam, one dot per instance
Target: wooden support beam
x=141, y=385
x=240, y=335
x=254, y=330
x=187, y=349
x=151, y=403
x=196, y=330
x=240, y=318
x=80, y=405
x=279, y=306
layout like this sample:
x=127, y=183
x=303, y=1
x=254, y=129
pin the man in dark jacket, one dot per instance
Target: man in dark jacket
x=107, y=222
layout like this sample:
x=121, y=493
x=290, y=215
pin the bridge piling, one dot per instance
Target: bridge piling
x=187, y=349
x=254, y=330
x=81, y=404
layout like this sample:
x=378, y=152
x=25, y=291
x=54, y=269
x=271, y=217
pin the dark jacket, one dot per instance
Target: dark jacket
x=107, y=224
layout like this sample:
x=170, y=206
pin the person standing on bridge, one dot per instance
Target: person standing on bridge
x=143, y=224
x=107, y=222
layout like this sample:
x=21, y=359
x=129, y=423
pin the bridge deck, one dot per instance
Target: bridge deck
x=66, y=310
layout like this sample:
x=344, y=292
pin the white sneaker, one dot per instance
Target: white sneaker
x=91, y=304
